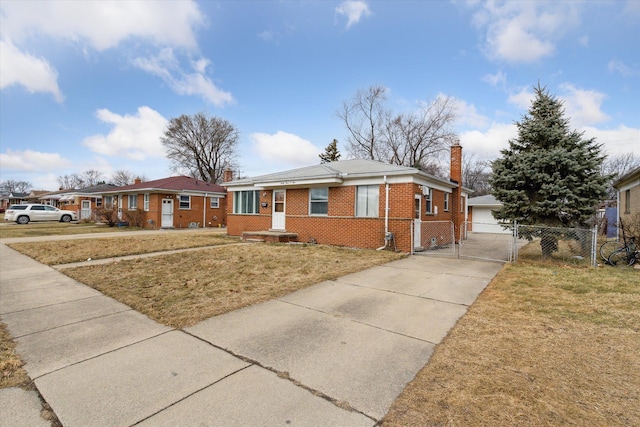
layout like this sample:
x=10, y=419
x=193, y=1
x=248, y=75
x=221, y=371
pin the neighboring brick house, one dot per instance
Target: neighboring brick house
x=628, y=188
x=174, y=202
x=349, y=203
x=84, y=201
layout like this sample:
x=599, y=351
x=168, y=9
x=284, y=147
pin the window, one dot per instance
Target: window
x=461, y=204
x=246, y=202
x=627, y=202
x=367, y=200
x=108, y=202
x=133, y=202
x=446, y=202
x=318, y=201
x=215, y=203
x=98, y=202
x=427, y=200
x=185, y=202
x=146, y=202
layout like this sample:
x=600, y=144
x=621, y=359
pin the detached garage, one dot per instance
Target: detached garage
x=482, y=221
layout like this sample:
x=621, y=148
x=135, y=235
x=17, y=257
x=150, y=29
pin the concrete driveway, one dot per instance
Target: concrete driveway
x=337, y=353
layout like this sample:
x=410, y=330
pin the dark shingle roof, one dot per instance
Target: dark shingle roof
x=174, y=183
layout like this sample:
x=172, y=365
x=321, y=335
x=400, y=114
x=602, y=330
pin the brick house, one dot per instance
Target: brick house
x=628, y=188
x=351, y=203
x=174, y=202
x=84, y=201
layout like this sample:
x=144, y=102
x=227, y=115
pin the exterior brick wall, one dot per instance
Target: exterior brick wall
x=341, y=227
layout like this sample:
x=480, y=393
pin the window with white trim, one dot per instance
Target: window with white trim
x=367, y=197
x=461, y=204
x=246, y=202
x=98, y=201
x=214, y=203
x=108, y=202
x=185, y=202
x=146, y=202
x=319, y=201
x=428, y=196
x=627, y=202
x=133, y=202
x=446, y=202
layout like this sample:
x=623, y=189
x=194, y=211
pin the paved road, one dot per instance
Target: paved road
x=337, y=353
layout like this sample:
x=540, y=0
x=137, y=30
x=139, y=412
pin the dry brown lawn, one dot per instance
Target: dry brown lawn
x=182, y=289
x=67, y=251
x=543, y=345
x=50, y=228
x=11, y=372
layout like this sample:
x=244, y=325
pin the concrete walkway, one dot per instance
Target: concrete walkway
x=337, y=353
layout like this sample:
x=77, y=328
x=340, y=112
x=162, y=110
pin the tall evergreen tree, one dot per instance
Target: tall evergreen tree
x=549, y=174
x=331, y=153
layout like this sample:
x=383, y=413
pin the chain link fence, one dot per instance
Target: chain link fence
x=568, y=245
x=506, y=242
x=493, y=242
x=433, y=238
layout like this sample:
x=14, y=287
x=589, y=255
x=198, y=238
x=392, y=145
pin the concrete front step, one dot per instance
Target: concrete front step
x=269, y=236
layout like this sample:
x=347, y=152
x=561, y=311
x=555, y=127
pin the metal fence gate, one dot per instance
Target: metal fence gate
x=493, y=242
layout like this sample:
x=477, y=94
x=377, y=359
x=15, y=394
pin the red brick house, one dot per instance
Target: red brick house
x=84, y=201
x=174, y=202
x=352, y=203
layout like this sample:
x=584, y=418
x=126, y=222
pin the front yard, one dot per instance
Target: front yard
x=544, y=344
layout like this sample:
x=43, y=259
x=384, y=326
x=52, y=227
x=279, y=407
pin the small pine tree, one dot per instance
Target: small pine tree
x=549, y=174
x=331, y=153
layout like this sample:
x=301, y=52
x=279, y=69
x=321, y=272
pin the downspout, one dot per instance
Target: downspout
x=386, y=215
x=204, y=211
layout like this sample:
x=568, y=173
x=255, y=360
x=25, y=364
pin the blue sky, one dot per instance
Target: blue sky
x=91, y=85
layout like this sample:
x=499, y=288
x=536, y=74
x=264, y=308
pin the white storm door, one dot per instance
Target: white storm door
x=85, y=210
x=279, y=207
x=417, y=222
x=167, y=213
x=120, y=207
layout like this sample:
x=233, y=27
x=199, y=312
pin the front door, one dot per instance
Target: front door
x=167, y=213
x=417, y=222
x=85, y=210
x=279, y=205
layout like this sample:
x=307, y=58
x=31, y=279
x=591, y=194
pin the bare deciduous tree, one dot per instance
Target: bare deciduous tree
x=91, y=177
x=476, y=174
x=121, y=177
x=14, y=186
x=200, y=146
x=364, y=116
x=618, y=166
x=71, y=181
x=415, y=139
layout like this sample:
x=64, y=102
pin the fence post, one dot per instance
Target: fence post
x=514, y=249
x=594, y=245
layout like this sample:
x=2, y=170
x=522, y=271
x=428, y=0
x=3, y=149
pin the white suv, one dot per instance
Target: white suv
x=22, y=214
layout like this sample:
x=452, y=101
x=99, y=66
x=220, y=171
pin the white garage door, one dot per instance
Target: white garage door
x=484, y=222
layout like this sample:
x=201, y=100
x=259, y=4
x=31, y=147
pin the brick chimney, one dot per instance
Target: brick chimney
x=227, y=175
x=456, y=162
x=455, y=176
x=137, y=180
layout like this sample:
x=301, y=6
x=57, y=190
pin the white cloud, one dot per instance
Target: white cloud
x=135, y=137
x=488, y=144
x=467, y=114
x=499, y=78
x=619, y=67
x=523, y=32
x=285, y=148
x=583, y=107
x=522, y=99
x=32, y=161
x=104, y=24
x=354, y=10
x=166, y=66
x=620, y=140
x=35, y=74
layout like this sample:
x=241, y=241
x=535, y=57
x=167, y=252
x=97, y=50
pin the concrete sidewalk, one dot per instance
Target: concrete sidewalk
x=337, y=353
